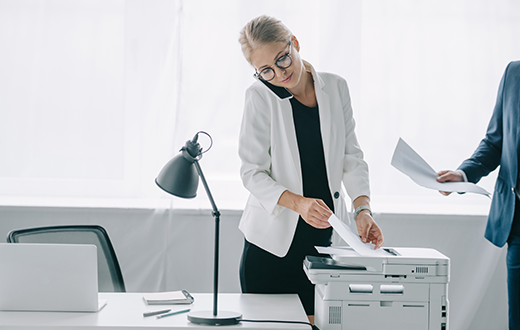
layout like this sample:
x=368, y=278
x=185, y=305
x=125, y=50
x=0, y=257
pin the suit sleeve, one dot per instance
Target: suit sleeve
x=486, y=157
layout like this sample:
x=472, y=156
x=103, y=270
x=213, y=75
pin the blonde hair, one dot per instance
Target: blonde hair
x=261, y=31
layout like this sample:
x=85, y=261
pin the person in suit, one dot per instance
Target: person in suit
x=501, y=146
x=297, y=146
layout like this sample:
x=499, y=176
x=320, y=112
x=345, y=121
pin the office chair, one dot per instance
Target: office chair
x=110, y=278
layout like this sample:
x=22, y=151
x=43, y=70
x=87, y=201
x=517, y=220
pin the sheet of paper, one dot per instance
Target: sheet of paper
x=353, y=240
x=406, y=160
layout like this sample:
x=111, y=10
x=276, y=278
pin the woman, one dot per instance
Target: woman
x=297, y=145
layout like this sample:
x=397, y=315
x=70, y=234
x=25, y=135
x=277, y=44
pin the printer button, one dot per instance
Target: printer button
x=336, y=195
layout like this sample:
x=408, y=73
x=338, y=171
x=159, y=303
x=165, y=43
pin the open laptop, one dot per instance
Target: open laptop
x=49, y=277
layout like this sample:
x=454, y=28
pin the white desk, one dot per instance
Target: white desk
x=125, y=311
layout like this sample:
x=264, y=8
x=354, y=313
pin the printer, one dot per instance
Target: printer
x=404, y=288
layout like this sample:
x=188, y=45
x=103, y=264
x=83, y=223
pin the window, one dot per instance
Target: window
x=98, y=95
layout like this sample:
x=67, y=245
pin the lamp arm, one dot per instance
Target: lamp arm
x=216, y=215
x=216, y=212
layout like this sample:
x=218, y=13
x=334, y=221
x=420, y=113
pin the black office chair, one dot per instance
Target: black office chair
x=110, y=278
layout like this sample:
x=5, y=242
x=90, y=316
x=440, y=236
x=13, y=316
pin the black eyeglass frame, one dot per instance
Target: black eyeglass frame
x=281, y=59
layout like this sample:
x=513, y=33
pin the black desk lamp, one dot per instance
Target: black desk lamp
x=180, y=177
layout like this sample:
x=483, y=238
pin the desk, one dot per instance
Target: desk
x=125, y=311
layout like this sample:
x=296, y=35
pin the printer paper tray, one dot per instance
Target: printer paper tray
x=390, y=315
x=369, y=314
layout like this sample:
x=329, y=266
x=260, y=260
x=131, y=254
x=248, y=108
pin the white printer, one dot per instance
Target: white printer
x=406, y=289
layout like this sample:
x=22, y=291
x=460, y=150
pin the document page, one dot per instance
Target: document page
x=406, y=160
x=353, y=240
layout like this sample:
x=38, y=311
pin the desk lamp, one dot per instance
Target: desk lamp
x=180, y=177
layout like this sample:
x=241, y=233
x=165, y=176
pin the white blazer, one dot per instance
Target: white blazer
x=271, y=161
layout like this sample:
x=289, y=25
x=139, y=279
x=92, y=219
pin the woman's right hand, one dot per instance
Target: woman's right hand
x=313, y=211
x=448, y=176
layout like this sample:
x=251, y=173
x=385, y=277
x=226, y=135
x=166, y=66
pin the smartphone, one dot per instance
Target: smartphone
x=281, y=92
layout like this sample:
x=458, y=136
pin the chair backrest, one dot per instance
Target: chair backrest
x=110, y=278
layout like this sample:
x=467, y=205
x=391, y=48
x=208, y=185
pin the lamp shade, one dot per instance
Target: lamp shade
x=179, y=177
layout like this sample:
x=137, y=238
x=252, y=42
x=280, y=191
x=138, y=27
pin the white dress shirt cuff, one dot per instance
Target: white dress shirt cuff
x=461, y=172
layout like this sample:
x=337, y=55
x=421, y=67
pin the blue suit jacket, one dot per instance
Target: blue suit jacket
x=500, y=147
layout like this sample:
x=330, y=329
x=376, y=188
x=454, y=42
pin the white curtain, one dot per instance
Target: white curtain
x=97, y=95
x=88, y=98
x=426, y=71
x=430, y=72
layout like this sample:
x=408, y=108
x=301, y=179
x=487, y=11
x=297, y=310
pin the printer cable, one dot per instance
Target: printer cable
x=280, y=321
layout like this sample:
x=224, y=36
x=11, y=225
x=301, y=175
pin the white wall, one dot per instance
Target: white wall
x=170, y=250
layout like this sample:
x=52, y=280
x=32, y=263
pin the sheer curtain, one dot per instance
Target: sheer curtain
x=97, y=95
x=88, y=98
x=430, y=73
x=424, y=71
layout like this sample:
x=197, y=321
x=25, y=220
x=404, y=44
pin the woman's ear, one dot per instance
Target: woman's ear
x=295, y=43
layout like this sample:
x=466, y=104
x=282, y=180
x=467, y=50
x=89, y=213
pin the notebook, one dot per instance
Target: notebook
x=49, y=277
x=168, y=298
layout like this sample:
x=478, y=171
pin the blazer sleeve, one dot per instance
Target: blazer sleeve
x=355, y=169
x=254, y=148
x=487, y=156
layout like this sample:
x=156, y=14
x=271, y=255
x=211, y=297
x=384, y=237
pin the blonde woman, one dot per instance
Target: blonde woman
x=297, y=146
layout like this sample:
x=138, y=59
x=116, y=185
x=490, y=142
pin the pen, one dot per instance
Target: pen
x=146, y=314
x=189, y=296
x=173, y=313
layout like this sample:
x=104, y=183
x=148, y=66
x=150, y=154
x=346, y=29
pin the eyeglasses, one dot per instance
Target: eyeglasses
x=283, y=63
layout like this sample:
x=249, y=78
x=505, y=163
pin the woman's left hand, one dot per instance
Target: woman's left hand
x=368, y=229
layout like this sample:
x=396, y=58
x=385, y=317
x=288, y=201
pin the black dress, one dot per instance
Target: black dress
x=263, y=272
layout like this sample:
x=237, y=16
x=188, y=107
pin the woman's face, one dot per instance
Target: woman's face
x=266, y=56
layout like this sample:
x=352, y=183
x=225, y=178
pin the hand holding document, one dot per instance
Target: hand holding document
x=344, y=231
x=406, y=160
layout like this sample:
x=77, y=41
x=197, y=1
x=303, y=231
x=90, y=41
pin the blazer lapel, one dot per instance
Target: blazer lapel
x=325, y=114
x=290, y=131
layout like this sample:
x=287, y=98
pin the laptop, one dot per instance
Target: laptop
x=49, y=277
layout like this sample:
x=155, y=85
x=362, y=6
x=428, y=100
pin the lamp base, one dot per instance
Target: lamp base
x=207, y=318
